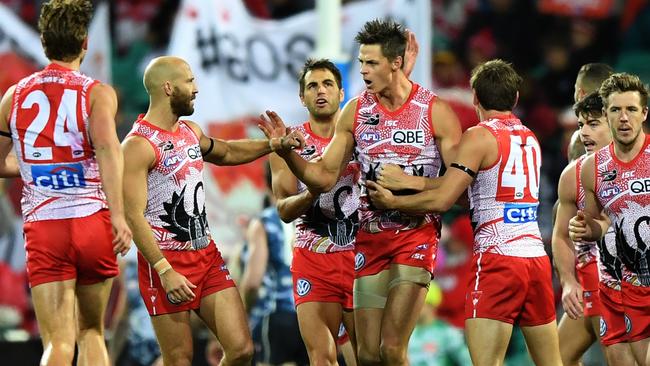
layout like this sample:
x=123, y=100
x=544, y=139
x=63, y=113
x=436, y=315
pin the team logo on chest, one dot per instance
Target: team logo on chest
x=371, y=119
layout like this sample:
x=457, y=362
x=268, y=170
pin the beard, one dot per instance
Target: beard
x=180, y=104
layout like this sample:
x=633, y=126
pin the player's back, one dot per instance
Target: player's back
x=49, y=124
x=504, y=196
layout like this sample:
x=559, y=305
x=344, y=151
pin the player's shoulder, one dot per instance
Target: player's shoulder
x=103, y=91
x=568, y=175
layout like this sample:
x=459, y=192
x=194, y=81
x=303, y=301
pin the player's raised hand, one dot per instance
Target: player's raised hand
x=272, y=125
x=411, y=52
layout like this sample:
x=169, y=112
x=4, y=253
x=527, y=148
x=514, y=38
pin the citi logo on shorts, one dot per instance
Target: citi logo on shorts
x=639, y=186
x=303, y=287
x=514, y=213
x=407, y=137
x=58, y=177
x=359, y=261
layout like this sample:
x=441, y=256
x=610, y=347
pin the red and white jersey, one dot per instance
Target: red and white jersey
x=404, y=137
x=175, y=192
x=332, y=222
x=504, y=197
x=603, y=250
x=623, y=190
x=586, y=251
x=49, y=123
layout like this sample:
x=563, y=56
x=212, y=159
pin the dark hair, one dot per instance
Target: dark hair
x=317, y=64
x=63, y=25
x=496, y=85
x=591, y=105
x=623, y=82
x=390, y=35
x=591, y=76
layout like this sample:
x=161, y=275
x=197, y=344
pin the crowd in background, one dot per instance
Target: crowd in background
x=547, y=49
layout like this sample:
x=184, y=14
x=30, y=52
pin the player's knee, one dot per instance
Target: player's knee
x=58, y=353
x=322, y=357
x=241, y=354
x=180, y=356
x=367, y=358
x=392, y=353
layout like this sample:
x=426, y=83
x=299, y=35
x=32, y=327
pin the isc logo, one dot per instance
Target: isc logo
x=519, y=213
x=58, y=176
x=639, y=186
x=407, y=137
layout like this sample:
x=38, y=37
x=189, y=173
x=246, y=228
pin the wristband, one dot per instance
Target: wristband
x=162, y=266
x=271, y=144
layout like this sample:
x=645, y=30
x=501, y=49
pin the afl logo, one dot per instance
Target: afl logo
x=359, y=261
x=628, y=324
x=603, y=327
x=302, y=287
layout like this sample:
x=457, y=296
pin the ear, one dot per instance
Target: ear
x=474, y=98
x=302, y=100
x=645, y=113
x=84, y=44
x=168, y=88
x=516, y=100
x=341, y=95
x=397, y=63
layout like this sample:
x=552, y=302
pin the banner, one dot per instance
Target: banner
x=18, y=38
x=243, y=66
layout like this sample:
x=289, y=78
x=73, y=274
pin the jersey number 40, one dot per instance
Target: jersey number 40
x=519, y=178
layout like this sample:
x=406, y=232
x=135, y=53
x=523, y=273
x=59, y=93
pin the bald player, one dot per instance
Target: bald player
x=180, y=268
x=576, y=263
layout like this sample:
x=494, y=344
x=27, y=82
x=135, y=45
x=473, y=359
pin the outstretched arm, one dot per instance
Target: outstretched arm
x=291, y=204
x=442, y=192
x=103, y=106
x=235, y=152
x=563, y=248
x=136, y=169
x=321, y=175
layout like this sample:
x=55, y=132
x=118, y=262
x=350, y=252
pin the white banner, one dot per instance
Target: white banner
x=245, y=65
x=18, y=37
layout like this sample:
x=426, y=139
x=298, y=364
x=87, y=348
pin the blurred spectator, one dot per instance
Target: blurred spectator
x=434, y=342
x=453, y=275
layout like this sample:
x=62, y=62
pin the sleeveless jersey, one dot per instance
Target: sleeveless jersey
x=176, y=195
x=49, y=123
x=404, y=137
x=332, y=221
x=504, y=197
x=603, y=250
x=623, y=190
x=276, y=292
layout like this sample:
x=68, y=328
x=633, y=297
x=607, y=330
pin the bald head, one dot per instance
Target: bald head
x=162, y=70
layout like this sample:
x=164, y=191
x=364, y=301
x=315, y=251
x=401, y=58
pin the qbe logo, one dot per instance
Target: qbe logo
x=519, y=213
x=194, y=152
x=303, y=287
x=639, y=186
x=58, y=177
x=407, y=137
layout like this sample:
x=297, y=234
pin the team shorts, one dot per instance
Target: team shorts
x=625, y=314
x=510, y=289
x=323, y=277
x=64, y=249
x=277, y=340
x=588, y=279
x=204, y=268
x=375, y=252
